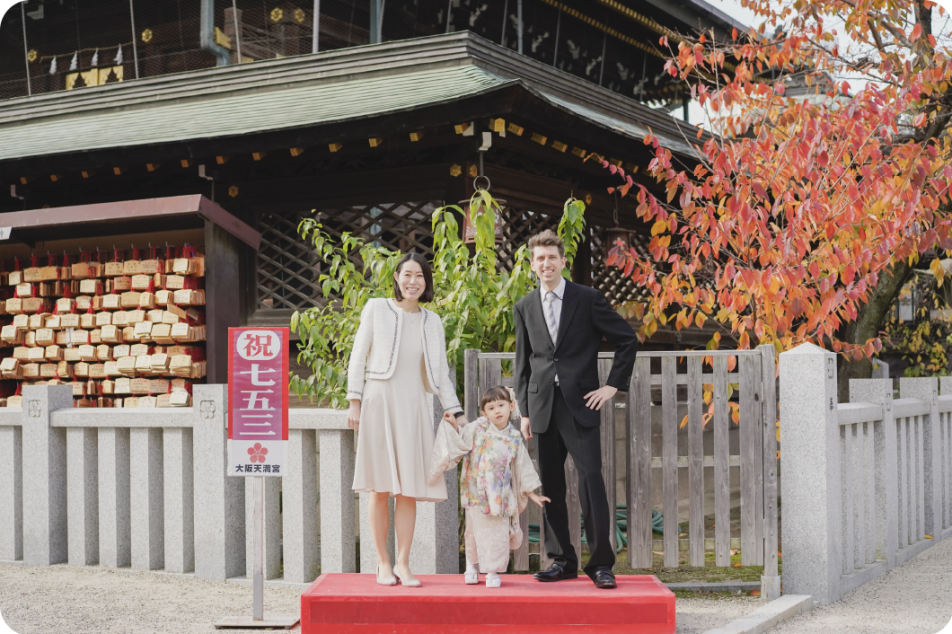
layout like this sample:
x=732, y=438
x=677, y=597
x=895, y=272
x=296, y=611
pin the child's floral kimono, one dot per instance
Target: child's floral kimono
x=494, y=486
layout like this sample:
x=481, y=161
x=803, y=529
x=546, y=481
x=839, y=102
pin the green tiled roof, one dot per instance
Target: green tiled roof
x=306, y=91
x=241, y=113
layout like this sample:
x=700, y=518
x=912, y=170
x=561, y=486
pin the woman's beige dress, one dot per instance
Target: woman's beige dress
x=395, y=437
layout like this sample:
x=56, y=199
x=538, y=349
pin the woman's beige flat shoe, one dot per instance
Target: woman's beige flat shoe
x=408, y=583
x=392, y=581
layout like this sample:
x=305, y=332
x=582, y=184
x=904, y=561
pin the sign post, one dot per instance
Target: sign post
x=257, y=437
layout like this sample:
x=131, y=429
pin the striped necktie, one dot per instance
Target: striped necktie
x=553, y=319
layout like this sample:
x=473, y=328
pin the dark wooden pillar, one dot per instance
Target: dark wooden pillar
x=222, y=297
x=582, y=266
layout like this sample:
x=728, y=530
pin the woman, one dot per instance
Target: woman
x=399, y=356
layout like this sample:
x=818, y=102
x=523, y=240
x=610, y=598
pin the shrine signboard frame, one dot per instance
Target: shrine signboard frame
x=257, y=437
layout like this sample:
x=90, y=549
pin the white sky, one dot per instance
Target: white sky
x=734, y=9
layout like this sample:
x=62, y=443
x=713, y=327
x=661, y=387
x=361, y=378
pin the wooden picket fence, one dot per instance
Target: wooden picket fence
x=749, y=389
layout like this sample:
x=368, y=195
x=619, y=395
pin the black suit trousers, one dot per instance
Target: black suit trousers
x=564, y=437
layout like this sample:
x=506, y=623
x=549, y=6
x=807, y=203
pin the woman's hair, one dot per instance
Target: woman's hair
x=427, y=276
x=498, y=393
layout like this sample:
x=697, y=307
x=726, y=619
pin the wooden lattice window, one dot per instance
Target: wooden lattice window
x=611, y=280
x=518, y=226
x=288, y=269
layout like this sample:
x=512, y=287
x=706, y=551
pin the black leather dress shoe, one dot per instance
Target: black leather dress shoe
x=605, y=580
x=555, y=572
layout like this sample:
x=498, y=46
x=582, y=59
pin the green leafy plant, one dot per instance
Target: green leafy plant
x=473, y=294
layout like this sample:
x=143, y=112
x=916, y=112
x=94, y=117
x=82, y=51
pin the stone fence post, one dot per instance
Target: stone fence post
x=435, y=547
x=879, y=391
x=927, y=389
x=11, y=488
x=45, y=539
x=219, y=500
x=810, y=473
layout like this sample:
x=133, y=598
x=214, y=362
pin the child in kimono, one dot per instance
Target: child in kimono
x=496, y=483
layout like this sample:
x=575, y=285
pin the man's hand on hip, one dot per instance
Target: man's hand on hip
x=594, y=400
x=526, y=429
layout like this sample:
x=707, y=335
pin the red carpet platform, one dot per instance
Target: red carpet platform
x=338, y=604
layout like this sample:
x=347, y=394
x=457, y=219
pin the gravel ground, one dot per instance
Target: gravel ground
x=79, y=600
x=699, y=615
x=71, y=599
x=915, y=598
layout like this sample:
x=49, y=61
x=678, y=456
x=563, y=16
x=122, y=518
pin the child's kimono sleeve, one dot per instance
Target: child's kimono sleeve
x=448, y=448
x=525, y=480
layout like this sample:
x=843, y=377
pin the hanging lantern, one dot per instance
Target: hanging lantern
x=616, y=236
x=469, y=227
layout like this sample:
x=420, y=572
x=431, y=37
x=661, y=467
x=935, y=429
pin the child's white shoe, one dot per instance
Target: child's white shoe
x=493, y=580
x=472, y=575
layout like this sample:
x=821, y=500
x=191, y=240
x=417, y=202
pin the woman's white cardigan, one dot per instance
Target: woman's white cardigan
x=374, y=355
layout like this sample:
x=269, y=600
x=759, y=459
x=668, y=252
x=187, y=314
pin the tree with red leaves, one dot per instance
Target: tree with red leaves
x=803, y=215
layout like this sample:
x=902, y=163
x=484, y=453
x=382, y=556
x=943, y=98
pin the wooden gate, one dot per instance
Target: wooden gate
x=732, y=393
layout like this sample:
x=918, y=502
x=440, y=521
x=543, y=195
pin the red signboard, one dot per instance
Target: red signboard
x=257, y=401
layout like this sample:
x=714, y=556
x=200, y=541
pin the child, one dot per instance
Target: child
x=496, y=481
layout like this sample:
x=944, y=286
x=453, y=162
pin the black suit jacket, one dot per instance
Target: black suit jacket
x=586, y=317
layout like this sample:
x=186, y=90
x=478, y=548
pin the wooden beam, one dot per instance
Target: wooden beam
x=120, y=213
x=222, y=292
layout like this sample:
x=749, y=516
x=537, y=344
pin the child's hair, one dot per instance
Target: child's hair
x=497, y=393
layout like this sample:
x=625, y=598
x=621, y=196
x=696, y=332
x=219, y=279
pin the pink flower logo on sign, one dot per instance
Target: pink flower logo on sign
x=257, y=452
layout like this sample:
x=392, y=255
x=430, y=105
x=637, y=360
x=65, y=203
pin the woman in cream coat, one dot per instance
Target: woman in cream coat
x=399, y=356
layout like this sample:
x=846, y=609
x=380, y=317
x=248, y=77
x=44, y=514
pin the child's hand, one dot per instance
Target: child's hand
x=451, y=419
x=538, y=499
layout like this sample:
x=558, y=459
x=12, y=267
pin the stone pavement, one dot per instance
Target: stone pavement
x=915, y=598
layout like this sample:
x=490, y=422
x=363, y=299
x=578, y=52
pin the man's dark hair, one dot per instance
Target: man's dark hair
x=427, y=276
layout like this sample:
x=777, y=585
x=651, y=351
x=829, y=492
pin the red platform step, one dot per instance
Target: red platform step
x=353, y=603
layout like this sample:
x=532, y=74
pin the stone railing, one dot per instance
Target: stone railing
x=867, y=484
x=147, y=488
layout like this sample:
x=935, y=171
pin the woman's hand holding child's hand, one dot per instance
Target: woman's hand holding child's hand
x=538, y=499
x=451, y=419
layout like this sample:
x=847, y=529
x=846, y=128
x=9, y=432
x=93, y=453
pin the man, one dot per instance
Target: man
x=558, y=330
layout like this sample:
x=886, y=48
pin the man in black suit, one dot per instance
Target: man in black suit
x=558, y=330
